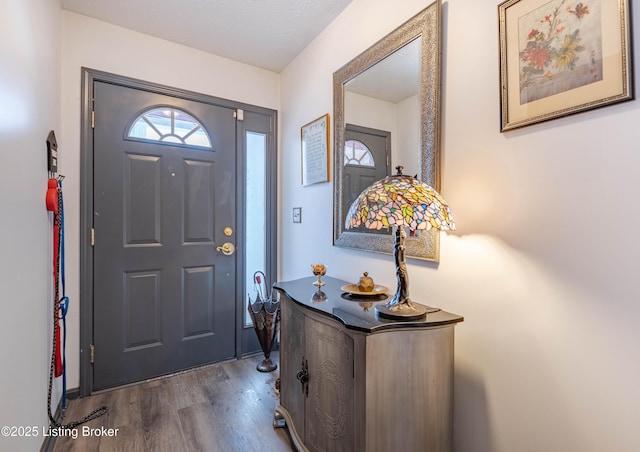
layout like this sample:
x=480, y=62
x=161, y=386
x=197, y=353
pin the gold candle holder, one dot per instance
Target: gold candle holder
x=319, y=270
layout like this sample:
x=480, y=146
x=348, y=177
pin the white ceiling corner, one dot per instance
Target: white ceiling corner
x=265, y=33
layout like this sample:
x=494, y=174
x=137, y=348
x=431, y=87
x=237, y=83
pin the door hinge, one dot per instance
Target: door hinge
x=93, y=237
x=92, y=355
x=93, y=119
x=239, y=114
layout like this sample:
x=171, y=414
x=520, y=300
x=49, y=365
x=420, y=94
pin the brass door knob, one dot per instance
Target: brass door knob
x=227, y=249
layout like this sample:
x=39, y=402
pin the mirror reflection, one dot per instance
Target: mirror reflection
x=386, y=114
x=382, y=130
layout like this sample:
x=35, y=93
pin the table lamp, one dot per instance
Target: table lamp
x=400, y=201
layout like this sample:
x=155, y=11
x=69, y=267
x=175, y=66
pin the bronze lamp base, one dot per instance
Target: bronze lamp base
x=401, y=307
x=407, y=312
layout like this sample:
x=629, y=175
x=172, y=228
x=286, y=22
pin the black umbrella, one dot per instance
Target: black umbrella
x=265, y=314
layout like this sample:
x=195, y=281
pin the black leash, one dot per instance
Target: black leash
x=57, y=221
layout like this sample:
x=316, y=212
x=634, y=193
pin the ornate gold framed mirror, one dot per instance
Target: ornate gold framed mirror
x=386, y=105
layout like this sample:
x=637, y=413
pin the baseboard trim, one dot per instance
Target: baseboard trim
x=49, y=442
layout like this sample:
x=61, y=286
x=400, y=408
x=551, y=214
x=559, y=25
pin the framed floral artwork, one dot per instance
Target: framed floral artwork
x=561, y=57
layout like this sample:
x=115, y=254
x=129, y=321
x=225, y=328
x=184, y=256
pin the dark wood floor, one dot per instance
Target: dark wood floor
x=224, y=407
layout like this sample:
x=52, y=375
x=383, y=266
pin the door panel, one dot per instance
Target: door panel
x=329, y=417
x=198, y=299
x=142, y=305
x=142, y=201
x=199, y=195
x=164, y=298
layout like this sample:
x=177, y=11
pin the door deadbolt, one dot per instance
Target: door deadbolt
x=228, y=231
x=227, y=249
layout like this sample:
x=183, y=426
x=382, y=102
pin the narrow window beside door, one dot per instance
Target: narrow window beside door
x=256, y=213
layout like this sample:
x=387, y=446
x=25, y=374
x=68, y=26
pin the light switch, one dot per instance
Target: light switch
x=297, y=214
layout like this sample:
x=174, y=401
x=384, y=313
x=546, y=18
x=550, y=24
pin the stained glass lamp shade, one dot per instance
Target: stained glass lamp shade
x=404, y=202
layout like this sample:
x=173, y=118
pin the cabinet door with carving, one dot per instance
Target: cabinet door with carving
x=292, y=359
x=329, y=410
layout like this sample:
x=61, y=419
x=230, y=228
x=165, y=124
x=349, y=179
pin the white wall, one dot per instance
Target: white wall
x=407, y=140
x=29, y=109
x=98, y=45
x=396, y=118
x=543, y=265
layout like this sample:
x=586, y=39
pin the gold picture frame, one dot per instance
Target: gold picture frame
x=561, y=57
x=314, y=138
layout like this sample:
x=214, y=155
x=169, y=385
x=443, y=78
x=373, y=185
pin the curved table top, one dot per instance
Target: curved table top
x=356, y=313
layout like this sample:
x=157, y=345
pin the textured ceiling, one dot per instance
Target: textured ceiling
x=264, y=33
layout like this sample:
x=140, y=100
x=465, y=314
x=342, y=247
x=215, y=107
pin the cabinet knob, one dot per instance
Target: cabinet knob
x=303, y=376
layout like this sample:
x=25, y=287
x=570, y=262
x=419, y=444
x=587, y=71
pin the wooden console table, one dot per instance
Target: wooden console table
x=350, y=381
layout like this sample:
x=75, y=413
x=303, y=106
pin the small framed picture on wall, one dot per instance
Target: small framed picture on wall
x=315, y=151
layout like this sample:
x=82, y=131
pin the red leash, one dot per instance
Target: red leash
x=53, y=206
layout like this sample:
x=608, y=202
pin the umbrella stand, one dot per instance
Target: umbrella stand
x=265, y=314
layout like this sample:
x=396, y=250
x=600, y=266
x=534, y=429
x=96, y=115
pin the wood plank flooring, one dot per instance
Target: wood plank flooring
x=222, y=407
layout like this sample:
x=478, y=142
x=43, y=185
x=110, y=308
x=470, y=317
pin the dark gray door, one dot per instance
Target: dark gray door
x=358, y=176
x=164, y=297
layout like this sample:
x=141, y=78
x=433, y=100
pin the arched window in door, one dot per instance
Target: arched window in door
x=357, y=153
x=169, y=125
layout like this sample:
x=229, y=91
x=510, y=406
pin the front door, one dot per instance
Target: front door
x=367, y=160
x=164, y=205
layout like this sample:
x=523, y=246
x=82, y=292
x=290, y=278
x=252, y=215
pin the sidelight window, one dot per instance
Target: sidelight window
x=169, y=125
x=256, y=190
